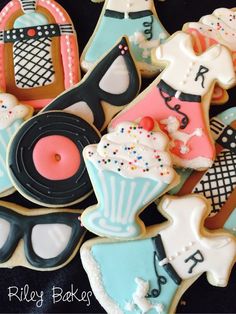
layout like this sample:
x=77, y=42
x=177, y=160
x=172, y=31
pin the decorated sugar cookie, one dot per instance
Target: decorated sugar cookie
x=12, y=115
x=129, y=168
x=218, y=183
x=40, y=239
x=150, y=275
x=218, y=27
x=40, y=42
x=136, y=19
x=45, y=157
x=179, y=98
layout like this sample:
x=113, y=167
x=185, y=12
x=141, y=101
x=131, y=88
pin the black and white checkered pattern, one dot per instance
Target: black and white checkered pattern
x=219, y=181
x=33, y=63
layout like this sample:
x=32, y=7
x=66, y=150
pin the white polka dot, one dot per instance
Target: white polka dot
x=229, y=132
x=233, y=145
x=224, y=139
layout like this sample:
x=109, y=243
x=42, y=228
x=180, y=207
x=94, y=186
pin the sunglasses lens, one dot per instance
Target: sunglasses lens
x=50, y=240
x=4, y=231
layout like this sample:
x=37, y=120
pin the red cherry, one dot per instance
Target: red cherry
x=31, y=32
x=147, y=123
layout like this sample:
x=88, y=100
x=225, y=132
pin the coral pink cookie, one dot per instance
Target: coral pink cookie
x=179, y=98
x=40, y=42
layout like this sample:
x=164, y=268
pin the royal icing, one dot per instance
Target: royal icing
x=58, y=176
x=128, y=169
x=219, y=26
x=12, y=115
x=219, y=181
x=176, y=98
x=150, y=272
x=137, y=20
x=50, y=238
x=37, y=73
x=133, y=152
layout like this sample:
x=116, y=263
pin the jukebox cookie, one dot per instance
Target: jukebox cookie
x=45, y=157
x=218, y=183
x=149, y=275
x=179, y=98
x=136, y=19
x=129, y=168
x=40, y=43
x=12, y=115
x=218, y=27
x=40, y=239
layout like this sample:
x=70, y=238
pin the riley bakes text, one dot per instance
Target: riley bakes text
x=26, y=294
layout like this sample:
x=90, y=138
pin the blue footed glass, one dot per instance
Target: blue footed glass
x=120, y=200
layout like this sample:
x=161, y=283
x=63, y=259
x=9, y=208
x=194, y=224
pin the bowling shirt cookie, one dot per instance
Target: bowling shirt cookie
x=40, y=43
x=12, y=115
x=218, y=183
x=129, y=168
x=136, y=19
x=39, y=239
x=218, y=27
x=45, y=157
x=149, y=275
x=179, y=98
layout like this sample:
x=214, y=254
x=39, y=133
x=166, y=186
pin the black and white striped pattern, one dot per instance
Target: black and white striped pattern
x=66, y=29
x=1, y=36
x=28, y=5
x=217, y=127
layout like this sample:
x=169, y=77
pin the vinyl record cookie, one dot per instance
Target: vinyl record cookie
x=39, y=239
x=45, y=158
x=136, y=19
x=40, y=43
x=129, y=168
x=179, y=98
x=218, y=27
x=149, y=275
x=12, y=115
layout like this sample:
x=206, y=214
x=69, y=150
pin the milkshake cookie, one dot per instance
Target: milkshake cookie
x=129, y=168
x=12, y=115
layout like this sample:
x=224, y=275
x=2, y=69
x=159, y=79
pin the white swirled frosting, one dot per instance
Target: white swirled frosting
x=133, y=152
x=220, y=26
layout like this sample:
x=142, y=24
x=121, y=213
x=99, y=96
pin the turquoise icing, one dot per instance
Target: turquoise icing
x=5, y=136
x=230, y=224
x=115, y=215
x=184, y=174
x=30, y=19
x=120, y=263
x=228, y=116
x=110, y=30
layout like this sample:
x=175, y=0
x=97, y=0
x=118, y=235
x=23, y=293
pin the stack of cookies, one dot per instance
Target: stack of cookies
x=63, y=138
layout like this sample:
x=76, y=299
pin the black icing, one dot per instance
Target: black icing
x=21, y=228
x=161, y=255
x=89, y=91
x=21, y=165
x=132, y=15
x=165, y=88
